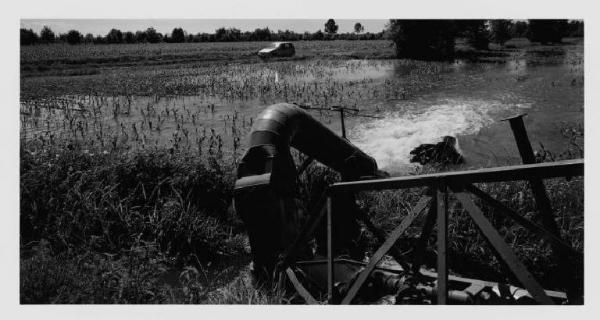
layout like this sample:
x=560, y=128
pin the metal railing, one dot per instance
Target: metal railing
x=461, y=184
x=439, y=186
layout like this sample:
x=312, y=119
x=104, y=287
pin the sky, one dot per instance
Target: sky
x=103, y=26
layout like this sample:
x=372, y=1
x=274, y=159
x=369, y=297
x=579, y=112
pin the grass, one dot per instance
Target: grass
x=111, y=229
x=128, y=157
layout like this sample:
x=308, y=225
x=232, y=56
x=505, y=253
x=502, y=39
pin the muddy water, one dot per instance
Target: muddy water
x=419, y=103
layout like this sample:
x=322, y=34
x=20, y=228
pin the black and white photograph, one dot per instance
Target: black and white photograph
x=301, y=159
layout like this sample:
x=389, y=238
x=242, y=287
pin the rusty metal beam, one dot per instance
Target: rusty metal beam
x=385, y=247
x=566, y=168
x=502, y=250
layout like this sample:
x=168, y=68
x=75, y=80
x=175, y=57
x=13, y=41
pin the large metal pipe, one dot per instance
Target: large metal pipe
x=265, y=192
x=285, y=125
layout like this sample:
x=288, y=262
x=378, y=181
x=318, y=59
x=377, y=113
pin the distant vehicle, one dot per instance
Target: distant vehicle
x=278, y=49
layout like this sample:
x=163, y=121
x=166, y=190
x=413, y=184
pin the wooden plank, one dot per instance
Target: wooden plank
x=503, y=251
x=385, y=247
x=330, y=279
x=523, y=221
x=300, y=288
x=442, y=245
x=546, y=170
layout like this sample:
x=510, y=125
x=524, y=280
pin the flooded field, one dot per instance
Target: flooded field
x=128, y=155
x=419, y=102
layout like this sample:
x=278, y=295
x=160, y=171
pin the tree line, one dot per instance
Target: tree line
x=178, y=35
x=435, y=39
x=479, y=33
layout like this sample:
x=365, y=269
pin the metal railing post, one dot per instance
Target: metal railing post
x=330, y=269
x=539, y=192
x=442, y=244
x=343, y=124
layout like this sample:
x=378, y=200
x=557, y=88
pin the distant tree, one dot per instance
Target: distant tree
x=422, y=39
x=546, y=31
x=152, y=36
x=475, y=32
x=221, y=34
x=141, y=37
x=500, y=31
x=319, y=35
x=129, y=37
x=89, y=38
x=28, y=37
x=331, y=27
x=62, y=37
x=74, y=37
x=519, y=29
x=46, y=35
x=177, y=35
x=358, y=28
x=114, y=36
x=231, y=34
x=98, y=39
x=262, y=34
x=234, y=34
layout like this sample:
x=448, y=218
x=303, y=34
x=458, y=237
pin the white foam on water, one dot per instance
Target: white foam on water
x=391, y=139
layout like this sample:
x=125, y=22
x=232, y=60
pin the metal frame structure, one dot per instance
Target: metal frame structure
x=439, y=186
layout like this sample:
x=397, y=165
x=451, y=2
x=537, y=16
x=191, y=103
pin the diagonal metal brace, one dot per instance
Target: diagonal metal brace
x=300, y=288
x=385, y=247
x=502, y=250
x=523, y=221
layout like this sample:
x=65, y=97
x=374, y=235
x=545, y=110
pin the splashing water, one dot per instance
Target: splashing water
x=391, y=139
